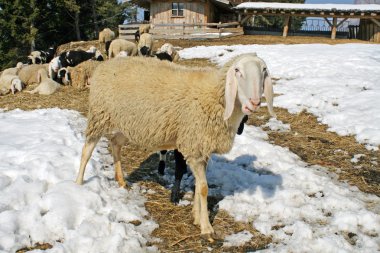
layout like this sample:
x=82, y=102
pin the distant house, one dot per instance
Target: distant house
x=184, y=11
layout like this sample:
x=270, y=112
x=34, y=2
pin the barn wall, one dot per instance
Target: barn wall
x=194, y=12
x=369, y=31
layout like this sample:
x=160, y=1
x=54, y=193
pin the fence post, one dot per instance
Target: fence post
x=183, y=28
x=220, y=30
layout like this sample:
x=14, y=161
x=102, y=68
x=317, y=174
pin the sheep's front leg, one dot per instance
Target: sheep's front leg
x=200, y=198
x=117, y=142
x=86, y=154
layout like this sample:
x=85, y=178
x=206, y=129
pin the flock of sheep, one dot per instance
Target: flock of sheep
x=50, y=71
x=194, y=111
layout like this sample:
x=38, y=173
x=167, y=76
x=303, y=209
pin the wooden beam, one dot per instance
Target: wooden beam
x=328, y=22
x=286, y=26
x=333, y=29
x=341, y=22
x=245, y=19
x=376, y=22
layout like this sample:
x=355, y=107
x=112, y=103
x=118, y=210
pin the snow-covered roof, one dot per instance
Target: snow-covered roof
x=317, y=7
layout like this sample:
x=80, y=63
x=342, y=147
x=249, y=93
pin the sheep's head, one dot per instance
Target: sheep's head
x=64, y=74
x=245, y=80
x=145, y=51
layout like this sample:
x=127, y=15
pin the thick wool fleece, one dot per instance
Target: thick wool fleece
x=166, y=107
x=28, y=74
x=106, y=35
x=119, y=45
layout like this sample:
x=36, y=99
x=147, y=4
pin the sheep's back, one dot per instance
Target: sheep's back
x=28, y=74
x=153, y=102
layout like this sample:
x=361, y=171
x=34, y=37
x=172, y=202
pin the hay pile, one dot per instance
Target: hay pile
x=81, y=74
x=76, y=45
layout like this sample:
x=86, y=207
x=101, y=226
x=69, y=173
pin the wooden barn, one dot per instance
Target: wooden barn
x=185, y=11
x=187, y=19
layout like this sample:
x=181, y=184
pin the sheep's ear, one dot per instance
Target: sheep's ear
x=268, y=92
x=231, y=91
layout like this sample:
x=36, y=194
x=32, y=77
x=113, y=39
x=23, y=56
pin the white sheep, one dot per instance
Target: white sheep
x=119, y=45
x=28, y=74
x=10, y=83
x=106, y=36
x=145, y=45
x=46, y=85
x=197, y=111
x=169, y=48
x=13, y=71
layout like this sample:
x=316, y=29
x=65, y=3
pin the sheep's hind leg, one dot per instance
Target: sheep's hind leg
x=86, y=154
x=117, y=142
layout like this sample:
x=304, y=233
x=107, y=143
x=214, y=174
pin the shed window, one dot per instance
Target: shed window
x=177, y=9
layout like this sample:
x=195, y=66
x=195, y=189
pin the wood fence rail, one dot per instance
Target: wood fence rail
x=185, y=30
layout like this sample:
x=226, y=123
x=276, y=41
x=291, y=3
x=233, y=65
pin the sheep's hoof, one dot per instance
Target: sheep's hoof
x=123, y=185
x=79, y=182
x=208, y=238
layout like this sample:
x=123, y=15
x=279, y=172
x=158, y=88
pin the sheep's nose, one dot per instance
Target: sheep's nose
x=255, y=102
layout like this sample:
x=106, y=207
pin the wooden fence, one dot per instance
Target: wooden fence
x=185, y=31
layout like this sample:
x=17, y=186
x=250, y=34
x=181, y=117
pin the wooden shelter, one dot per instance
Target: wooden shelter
x=186, y=11
x=368, y=12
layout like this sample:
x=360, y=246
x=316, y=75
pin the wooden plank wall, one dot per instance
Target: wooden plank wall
x=369, y=31
x=194, y=12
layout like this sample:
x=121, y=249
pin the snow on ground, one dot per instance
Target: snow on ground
x=39, y=201
x=337, y=83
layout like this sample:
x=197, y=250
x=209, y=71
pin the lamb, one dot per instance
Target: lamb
x=64, y=76
x=13, y=71
x=71, y=59
x=10, y=83
x=41, y=57
x=173, y=107
x=106, y=36
x=169, y=48
x=119, y=45
x=145, y=44
x=46, y=85
x=28, y=74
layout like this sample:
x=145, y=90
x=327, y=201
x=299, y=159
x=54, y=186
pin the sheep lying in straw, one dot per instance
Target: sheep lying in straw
x=197, y=111
x=10, y=83
x=46, y=85
x=28, y=74
x=119, y=45
x=13, y=71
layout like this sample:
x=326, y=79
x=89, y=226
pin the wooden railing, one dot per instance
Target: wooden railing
x=183, y=31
